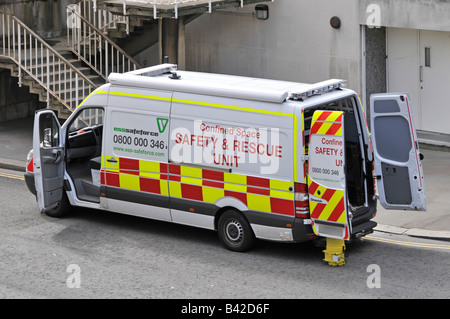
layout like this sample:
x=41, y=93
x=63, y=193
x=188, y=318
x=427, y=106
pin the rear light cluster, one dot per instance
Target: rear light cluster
x=301, y=200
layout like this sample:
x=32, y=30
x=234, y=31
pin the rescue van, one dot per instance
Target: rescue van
x=249, y=158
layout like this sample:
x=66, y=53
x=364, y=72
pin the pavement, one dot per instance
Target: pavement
x=16, y=140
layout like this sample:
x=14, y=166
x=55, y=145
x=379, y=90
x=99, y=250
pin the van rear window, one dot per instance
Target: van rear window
x=346, y=105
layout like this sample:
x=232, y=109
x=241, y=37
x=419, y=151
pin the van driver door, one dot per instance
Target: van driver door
x=48, y=154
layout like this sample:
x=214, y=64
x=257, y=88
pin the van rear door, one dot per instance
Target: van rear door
x=48, y=155
x=327, y=182
x=396, y=153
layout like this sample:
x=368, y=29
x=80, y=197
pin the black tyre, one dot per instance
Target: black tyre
x=62, y=209
x=235, y=232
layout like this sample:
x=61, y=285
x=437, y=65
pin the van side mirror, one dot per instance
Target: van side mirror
x=421, y=156
x=47, y=142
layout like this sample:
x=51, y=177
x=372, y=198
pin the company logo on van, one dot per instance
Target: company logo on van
x=162, y=124
x=135, y=131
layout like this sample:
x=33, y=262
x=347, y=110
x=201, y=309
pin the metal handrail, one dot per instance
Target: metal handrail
x=86, y=40
x=100, y=18
x=42, y=63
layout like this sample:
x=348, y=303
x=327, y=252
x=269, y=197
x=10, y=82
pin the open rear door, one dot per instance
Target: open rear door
x=327, y=183
x=396, y=153
x=48, y=155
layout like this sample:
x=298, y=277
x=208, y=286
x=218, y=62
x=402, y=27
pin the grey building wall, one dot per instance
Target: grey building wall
x=46, y=17
x=296, y=43
x=410, y=14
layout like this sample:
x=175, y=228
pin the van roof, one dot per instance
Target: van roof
x=167, y=77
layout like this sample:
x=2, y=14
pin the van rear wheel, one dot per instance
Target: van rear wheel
x=235, y=232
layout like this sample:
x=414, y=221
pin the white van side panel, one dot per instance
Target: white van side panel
x=98, y=97
x=191, y=190
x=245, y=137
x=135, y=153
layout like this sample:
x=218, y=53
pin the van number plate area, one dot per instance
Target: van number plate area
x=326, y=182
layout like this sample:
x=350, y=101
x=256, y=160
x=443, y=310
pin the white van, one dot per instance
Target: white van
x=250, y=158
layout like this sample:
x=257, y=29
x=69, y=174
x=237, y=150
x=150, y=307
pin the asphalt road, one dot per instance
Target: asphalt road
x=109, y=255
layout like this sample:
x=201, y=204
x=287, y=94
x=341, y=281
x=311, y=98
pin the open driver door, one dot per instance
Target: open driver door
x=48, y=154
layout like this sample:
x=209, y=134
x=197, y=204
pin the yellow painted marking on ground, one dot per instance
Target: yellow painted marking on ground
x=406, y=243
x=7, y=175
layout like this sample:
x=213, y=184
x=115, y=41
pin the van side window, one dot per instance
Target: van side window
x=87, y=118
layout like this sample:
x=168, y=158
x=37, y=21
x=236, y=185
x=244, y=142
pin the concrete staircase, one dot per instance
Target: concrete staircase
x=46, y=67
x=88, y=40
x=59, y=74
x=64, y=71
x=61, y=78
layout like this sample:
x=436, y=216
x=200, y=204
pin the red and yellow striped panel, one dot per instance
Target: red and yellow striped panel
x=333, y=207
x=193, y=183
x=327, y=123
x=151, y=177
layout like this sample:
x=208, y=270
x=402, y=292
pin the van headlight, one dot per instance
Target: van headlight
x=29, y=167
x=30, y=156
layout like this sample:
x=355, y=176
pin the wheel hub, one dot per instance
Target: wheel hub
x=234, y=231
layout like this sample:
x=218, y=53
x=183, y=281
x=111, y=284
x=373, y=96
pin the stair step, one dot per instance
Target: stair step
x=136, y=22
x=61, y=88
x=118, y=34
x=122, y=27
x=61, y=73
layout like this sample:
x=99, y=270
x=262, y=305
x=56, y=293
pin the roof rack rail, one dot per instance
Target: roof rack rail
x=155, y=70
x=318, y=88
x=151, y=78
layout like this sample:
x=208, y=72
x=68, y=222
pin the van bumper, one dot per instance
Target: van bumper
x=302, y=230
x=362, y=224
x=29, y=180
x=363, y=229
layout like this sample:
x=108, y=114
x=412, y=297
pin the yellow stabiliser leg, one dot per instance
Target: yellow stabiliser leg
x=334, y=254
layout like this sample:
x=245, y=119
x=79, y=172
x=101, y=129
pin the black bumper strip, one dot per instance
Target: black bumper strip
x=136, y=197
x=301, y=232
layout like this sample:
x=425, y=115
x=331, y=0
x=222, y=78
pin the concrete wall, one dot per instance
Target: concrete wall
x=46, y=17
x=16, y=102
x=410, y=14
x=296, y=43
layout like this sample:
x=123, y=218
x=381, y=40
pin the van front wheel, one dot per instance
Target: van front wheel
x=235, y=232
x=62, y=209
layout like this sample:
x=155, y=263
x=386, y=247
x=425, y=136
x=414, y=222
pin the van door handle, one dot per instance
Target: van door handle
x=112, y=160
x=57, y=157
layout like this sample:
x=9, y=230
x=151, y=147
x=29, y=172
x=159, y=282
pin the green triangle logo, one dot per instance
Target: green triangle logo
x=162, y=124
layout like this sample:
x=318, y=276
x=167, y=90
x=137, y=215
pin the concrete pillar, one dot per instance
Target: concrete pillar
x=171, y=40
x=181, y=44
